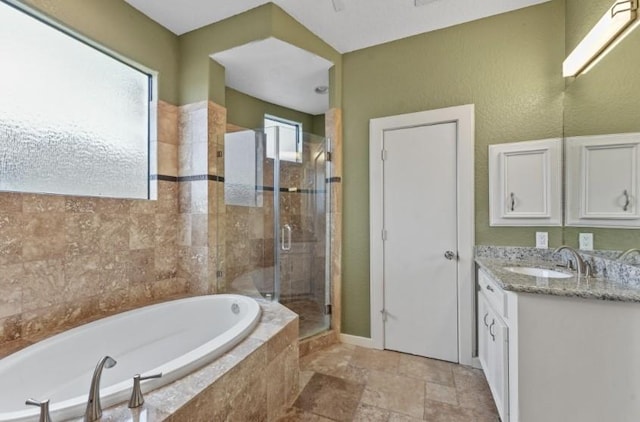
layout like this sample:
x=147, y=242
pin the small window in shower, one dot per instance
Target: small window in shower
x=74, y=119
x=289, y=135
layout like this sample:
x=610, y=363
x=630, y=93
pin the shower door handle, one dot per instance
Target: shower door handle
x=285, y=246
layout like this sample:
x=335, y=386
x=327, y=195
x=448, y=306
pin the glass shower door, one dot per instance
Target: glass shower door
x=301, y=205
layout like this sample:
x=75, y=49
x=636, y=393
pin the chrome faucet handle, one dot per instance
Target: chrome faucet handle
x=137, y=398
x=44, y=409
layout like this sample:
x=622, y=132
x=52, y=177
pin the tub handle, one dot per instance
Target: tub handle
x=137, y=399
x=44, y=409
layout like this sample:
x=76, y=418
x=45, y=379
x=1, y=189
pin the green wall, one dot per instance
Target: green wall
x=123, y=29
x=201, y=80
x=603, y=100
x=248, y=112
x=507, y=65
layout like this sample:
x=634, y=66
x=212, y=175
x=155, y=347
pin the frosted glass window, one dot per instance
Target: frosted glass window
x=289, y=138
x=73, y=120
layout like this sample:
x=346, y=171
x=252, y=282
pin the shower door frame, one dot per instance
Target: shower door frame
x=277, y=232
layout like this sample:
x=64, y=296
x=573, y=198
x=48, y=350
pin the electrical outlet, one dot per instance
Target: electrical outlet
x=542, y=240
x=586, y=241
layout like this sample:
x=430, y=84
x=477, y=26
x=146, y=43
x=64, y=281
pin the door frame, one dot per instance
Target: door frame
x=464, y=116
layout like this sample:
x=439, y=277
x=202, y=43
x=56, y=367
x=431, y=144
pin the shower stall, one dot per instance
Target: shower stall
x=274, y=220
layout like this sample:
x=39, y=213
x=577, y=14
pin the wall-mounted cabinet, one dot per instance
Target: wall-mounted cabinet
x=525, y=183
x=603, y=180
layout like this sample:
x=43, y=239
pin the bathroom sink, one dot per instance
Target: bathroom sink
x=538, y=272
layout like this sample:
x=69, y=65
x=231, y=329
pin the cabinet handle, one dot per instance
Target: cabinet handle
x=513, y=201
x=485, y=319
x=627, y=200
x=493, y=336
x=490, y=288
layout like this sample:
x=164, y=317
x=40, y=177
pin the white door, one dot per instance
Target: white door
x=420, y=224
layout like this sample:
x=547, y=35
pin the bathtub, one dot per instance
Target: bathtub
x=174, y=338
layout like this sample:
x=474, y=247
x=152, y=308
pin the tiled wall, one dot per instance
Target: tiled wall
x=65, y=260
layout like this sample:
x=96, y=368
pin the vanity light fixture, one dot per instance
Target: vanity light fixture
x=609, y=27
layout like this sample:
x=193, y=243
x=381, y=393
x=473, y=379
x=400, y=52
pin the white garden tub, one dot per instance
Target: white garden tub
x=174, y=338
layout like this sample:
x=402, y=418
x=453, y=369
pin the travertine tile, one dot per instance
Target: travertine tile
x=142, y=230
x=113, y=233
x=42, y=203
x=430, y=370
x=11, y=202
x=11, y=284
x=441, y=393
x=43, y=236
x=11, y=238
x=397, y=393
x=298, y=415
x=44, y=284
x=435, y=411
x=82, y=233
x=330, y=397
x=368, y=413
x=380, y=360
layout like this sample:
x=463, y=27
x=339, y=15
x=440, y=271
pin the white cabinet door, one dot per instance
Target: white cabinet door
x=603, y=180
x=483, y=333
x=525, y=180
x=498, y=355
x=493, y=353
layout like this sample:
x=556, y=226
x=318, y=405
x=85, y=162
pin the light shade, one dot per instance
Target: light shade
x=614, y=21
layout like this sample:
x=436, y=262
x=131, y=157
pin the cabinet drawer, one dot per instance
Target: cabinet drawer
x=494, y=294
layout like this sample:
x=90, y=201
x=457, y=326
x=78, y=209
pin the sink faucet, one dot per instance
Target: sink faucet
x=94, y=409
x=582, y=267
x=627, y=253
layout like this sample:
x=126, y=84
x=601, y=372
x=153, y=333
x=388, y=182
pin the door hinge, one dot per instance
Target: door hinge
x=328, y=309
x=384, y=315
x=328, y=156
x=384, y=235
x=219, y=274
x=384, y=154
x=219, y=154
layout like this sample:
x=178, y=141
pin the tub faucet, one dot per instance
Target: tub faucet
x=94, y=409
x=628, y=252
x=582, y=267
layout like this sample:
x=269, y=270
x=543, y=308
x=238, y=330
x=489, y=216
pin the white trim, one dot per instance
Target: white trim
x=356, y=341
x=464, y=116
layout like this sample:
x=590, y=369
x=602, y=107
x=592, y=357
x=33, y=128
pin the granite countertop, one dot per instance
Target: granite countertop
x=589, y=288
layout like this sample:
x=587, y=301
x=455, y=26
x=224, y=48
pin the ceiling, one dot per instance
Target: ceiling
x=360, y=23
x=279, y=73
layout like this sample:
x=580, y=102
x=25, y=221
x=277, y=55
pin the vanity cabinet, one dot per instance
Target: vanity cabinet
x=525, y=183
x=558, y=358
x=493, y=341
x=603, y=180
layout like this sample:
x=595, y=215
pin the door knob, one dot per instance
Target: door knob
x=450, y=255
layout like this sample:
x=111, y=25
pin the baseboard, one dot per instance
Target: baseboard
x=356, y=340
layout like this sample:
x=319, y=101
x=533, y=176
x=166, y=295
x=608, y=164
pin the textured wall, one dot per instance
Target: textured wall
x=246, y=111
x=508, y=65
x=125, y=30
x=603, y=100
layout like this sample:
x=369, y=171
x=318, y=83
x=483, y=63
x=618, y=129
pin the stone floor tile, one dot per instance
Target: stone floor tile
x=368, y=413
x=296, y=415
x=330, y=397
x=441, y=393
x=430, y=370
x=435, y=411
x=379, y=360
x=398, y=417
x=396, y=393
